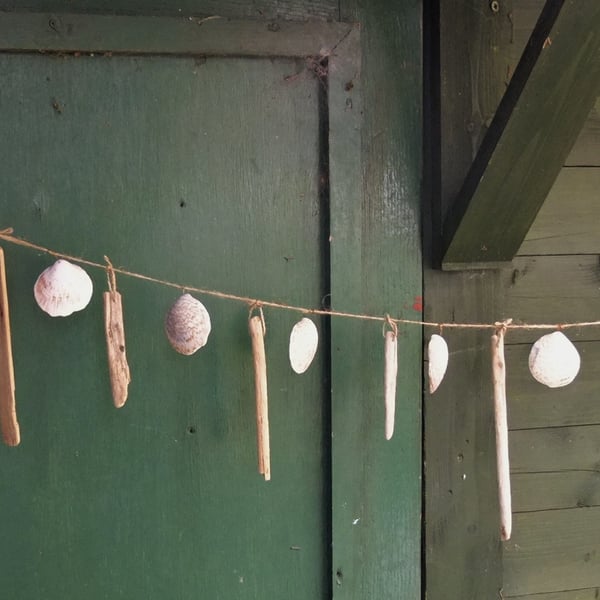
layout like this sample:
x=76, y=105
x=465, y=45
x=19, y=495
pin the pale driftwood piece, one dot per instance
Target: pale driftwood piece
x=500, y=414
x=115, y=343
x=256, y=327
x=389, y=381
x=8, y=411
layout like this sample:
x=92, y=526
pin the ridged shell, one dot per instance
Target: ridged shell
x=437, y=354
x=187, y=325
x=63, y=289
x=553, y=360
x=304, y=340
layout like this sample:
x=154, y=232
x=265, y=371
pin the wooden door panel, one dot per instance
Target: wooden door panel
x=203, y=172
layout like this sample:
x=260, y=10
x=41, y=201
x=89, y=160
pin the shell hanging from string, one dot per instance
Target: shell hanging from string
x=554, y=360
x=187, y=325
x=437, y=355
x=390, y=374
x=304, y=340
x=62, y=289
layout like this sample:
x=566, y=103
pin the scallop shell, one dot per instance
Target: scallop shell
x=437, y=353
x=304, y=340
x=187, y=325
x=553, y=360
x=63, y=289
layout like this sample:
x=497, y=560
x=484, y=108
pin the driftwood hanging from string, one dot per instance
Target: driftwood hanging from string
x=389, y=376
x=8, y=412
x=257, y=329
x=114, y=329
x=501, y=422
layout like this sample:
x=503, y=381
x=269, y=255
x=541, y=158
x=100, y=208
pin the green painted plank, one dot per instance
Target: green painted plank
x=555, y=449
x=549, y=491
x=376, y=268
x=551, y=289
x=462, y=549
x=531, y=404
x=569, y=222
x=237, y=9
x=551, y=551
x=529, y=140
x=166, y=35
x=580, y=594
x=202, y=172
x=586, y=151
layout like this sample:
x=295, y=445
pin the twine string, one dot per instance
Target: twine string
x=255, y=303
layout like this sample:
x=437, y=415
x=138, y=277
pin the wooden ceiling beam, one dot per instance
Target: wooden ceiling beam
x=550, y=95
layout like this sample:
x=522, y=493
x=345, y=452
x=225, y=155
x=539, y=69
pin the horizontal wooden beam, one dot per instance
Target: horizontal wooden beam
x=211, y=36
x=537, y=122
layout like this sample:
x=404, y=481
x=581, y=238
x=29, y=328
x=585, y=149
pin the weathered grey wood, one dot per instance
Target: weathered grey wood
x=552, y=551
x=549, y=491
x=375, y=244
x=592, y=593
x=528, y=142
x=552, y=289
x=469, y=63
x=555, y=449
x=569, y=220
x=166, y=35
x=237, y=9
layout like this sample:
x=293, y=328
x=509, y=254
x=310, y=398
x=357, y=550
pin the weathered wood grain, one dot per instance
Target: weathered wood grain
x=469, y=60
x=109, y=34
x=375, y=245
x=568, y=222
x=528, y=141
x=204, y=172
x=553, y=551
x=586, y=150
x=532, y=405
x=549, y=491
x=238, y=9
x=555, y=449
x=552, y=289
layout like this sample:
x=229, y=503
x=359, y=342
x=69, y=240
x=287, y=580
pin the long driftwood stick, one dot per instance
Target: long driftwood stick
x=115, y=345
x=8, y=411
x=389, y=381
x=502, y=460
x=256, y=328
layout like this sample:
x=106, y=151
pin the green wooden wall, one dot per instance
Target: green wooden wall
x=210, y=171
x=554, y=434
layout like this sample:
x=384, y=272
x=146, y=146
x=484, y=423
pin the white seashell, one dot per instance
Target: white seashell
x=437, y=353
x=304, y=340
x=63, y=289
x=553, y=360
x=187, y=325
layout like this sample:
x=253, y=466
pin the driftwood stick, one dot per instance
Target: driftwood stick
x=256, y=327
x=500, y=414
x=115, y=344
x=8, y=411
x=389, y=381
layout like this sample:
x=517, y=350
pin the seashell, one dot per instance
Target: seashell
x=187, y=325
x=304, y=340
x=437, y=353
x=63, y=289
x=553, y=360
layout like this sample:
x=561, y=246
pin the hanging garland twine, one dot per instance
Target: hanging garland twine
x=553, y=360
x=7, y=235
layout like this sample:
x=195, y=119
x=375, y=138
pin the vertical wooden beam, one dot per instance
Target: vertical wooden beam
x=376, y=267
x=468, y=46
